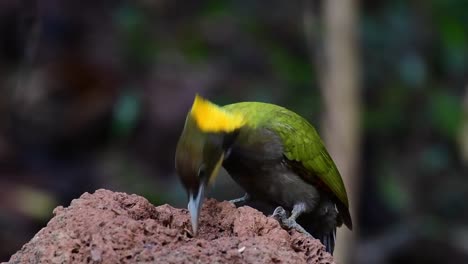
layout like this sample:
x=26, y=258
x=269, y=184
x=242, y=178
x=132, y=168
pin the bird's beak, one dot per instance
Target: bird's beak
x=196, y=199
x=194, y=206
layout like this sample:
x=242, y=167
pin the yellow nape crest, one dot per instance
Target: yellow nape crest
x=212, y=118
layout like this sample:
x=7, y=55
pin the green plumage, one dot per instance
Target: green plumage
x=275, y=155
x=303, y=147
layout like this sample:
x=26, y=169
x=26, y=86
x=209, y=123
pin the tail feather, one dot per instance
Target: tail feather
x=345, y=215
x=328, y=240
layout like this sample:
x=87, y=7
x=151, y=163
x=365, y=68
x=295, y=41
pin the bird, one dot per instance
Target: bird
x=274, y=154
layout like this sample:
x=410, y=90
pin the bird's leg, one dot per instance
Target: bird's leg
x=290, y=222
x=241, y=200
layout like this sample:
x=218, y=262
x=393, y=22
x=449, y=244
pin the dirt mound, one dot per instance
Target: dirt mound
x=109, y=227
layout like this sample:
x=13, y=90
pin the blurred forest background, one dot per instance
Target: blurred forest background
x=94, y=95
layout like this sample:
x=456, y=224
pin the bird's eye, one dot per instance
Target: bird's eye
x=201, y=171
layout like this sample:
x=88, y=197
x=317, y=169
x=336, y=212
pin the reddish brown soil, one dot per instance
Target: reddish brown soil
x=109, y=227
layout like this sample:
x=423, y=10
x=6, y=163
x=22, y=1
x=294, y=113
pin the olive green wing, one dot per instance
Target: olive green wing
x=303, y=147
x=304, y=150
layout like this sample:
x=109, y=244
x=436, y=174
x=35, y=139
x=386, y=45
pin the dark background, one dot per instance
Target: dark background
x=94, y=95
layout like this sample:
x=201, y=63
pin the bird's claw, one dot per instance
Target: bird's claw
x=240, y=200
x=292, y=224
x=282, y=216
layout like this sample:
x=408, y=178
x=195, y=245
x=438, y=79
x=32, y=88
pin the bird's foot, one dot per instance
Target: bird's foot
x=282, y=216
x=291, y=223
x=240, y=200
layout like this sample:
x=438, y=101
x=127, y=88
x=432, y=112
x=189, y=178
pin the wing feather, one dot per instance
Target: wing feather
x=303, y=147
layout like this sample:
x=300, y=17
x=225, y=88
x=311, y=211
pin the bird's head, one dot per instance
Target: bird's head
x=208, y=133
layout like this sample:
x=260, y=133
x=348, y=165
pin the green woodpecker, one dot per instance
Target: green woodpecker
x=274, y=154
